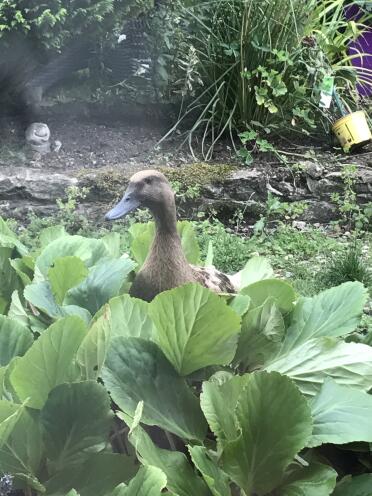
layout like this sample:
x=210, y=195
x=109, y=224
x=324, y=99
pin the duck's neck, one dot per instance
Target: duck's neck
x=166, y=249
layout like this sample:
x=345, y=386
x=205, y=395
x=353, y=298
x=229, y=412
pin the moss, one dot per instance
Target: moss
x=108, y=182
x=198, y=174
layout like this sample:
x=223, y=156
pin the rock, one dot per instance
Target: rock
x=313, y=169
x=299, y=224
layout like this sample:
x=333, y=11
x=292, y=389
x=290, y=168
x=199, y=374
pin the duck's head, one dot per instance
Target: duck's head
x=148, y=189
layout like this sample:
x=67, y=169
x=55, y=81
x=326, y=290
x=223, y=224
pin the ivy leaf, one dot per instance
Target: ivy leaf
x=183, y=318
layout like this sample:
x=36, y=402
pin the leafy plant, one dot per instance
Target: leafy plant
x=210, y=393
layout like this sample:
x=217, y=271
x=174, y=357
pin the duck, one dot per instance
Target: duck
x=166, y=266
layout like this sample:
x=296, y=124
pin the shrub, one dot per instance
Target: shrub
x=258, y=67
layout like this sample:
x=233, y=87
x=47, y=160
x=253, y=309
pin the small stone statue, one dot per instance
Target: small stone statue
x=38, y=137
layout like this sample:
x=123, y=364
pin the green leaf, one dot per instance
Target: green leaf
x=92, y=352
x=24, y=267
x=129, y=317
x=195, y=328
x=22, y=452
x=314, y=480
x=76, y=419
x=8, y=239
x=189, y=242
x=17, y=311
x=10, y=414
x=136, y=370
x=275, y=424
x=49, y=362
x=66, y=273
x=112, y=244
x=103, y=283
x=142, y=238
x=334, y=312
x=218, y=392
x=349, y=364
x=149, y=481
x=50, y=234
x=280, y=291
x=240, y=304
x=262, y=332
x=341, y=415
x=143, y=235
x=40, y=296
x=96, y=474
x=15, y=339
x=181, y=478
x=90, y=251
x=216, y=479
x=355, y=486
x=256, y=269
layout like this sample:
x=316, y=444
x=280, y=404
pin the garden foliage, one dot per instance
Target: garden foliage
x=245, y=388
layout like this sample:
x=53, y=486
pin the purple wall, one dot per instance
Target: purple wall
x=362, y=45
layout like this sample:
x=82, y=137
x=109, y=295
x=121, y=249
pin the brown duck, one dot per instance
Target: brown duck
x=166, y=266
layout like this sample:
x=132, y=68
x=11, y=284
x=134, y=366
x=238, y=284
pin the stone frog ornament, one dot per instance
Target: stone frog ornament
x=166, y=266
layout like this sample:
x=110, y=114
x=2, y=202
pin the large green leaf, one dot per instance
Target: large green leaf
x=256, y=269
x=90, y=251
x=275, y=424
x=92, y=352
x=216, y=479
x=311, y=363
x=103, y=283
x=10, y=281
x=262, y=332
x=40, y=295
x=333, y=312
x=280, y=291
x=360, y=485
x=64, y=274
x=341, y=415
x=50, y=234
x=17, y=311
x=217, y=393
x=49, y=361
x=24, y=267
x=181, y=478
x=15, y=339
x=112, y=243
x=314, y=480
x=22, y=452
x=136, y=370
x=8, y=238
x=129, y=317
x=143, y=235
x=76, y=419
x=10, y=414
x=149, y=481
x=96, y=474
x=195, y=328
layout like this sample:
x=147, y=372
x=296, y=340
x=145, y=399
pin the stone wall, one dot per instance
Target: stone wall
x=24, y=189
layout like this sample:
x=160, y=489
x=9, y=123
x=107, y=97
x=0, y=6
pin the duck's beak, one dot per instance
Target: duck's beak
x=127, y=204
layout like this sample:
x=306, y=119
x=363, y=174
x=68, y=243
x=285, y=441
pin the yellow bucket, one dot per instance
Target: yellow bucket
x=352, y=130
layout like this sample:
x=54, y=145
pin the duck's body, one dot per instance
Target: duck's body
x=166, y=266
